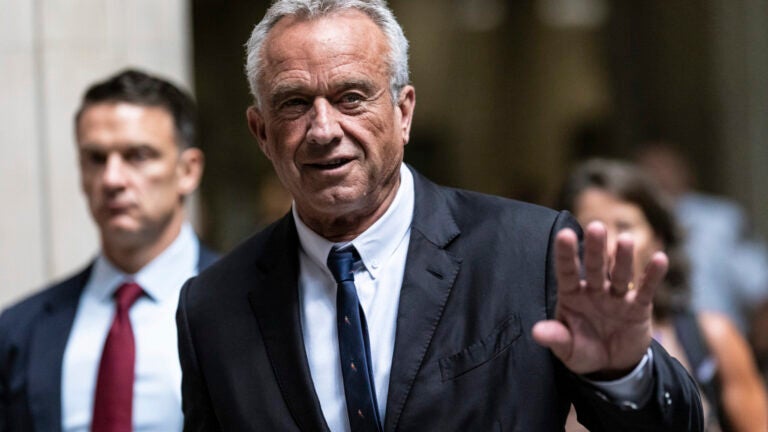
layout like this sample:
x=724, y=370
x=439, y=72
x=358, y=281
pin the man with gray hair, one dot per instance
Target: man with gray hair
x=385, y=302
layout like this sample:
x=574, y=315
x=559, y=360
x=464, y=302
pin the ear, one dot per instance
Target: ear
x=406, y=103
x=257, y=126
x=190, y=167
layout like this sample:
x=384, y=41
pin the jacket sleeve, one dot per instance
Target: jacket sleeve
x=675, y=404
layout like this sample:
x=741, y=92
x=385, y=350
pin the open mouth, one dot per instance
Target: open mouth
x=330, y=165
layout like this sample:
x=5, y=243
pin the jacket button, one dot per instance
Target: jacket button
x=667, y=399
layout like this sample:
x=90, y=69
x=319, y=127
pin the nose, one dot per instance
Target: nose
x=113, y=176
x=324, y=127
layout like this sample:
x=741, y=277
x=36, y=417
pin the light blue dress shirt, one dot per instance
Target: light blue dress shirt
x=157, y=388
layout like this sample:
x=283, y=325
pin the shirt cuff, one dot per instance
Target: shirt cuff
x=633, y=390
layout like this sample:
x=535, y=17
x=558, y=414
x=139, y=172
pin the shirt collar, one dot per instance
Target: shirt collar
x=155, y=278
x=376, y=244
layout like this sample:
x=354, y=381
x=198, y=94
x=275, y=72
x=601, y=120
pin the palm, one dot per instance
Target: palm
x=600, y=325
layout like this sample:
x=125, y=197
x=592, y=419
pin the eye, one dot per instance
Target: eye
x=139, y=154
x=93, y=158
x=294, y=104
x=292, y=107
x=351, y=99
x=624, y=226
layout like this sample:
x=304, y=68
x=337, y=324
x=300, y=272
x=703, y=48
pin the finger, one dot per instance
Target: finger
x=654, y=274
x=567, y=260
x=555, y=336
x=594, y=256
x=621, y=275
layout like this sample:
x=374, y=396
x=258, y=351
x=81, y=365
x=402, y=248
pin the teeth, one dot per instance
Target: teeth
x=331, y=164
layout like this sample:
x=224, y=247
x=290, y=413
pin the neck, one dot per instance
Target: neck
x=132, y=257
x=346, y=227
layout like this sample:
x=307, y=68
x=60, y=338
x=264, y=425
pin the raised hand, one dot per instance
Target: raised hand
x=602, y=322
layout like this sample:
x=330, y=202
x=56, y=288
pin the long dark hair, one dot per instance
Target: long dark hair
x=628, y=183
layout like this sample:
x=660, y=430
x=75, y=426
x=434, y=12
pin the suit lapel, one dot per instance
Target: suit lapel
x=276, y=306
x=205, y=257
x=430, y=273
x=429, y=276
x=48, y=341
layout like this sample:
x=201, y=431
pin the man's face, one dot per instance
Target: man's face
x=132, y=172
x=327, y=121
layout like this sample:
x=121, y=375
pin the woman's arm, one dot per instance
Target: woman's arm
x=743, y=393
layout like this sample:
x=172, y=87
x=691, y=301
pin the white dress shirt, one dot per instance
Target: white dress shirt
x=157, y=388
x=383, y=248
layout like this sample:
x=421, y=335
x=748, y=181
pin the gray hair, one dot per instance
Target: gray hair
x=377, y=10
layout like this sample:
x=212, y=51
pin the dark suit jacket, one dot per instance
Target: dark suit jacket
x=479, y=274
x=33, y=336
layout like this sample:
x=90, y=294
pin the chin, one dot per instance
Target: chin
x=344, y=198
x=120, y=229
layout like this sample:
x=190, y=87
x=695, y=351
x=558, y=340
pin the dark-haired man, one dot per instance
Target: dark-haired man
x=97, y=352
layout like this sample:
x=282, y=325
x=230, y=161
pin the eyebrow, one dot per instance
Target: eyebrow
x=283, y=91
x=95, y=148
x=367, y=86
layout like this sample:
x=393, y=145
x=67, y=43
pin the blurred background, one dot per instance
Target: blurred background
x=509, y=95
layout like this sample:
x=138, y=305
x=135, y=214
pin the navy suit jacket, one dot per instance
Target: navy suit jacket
x=479, y=274
x=33, y=337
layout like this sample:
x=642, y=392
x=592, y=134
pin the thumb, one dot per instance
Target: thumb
x=555, y=336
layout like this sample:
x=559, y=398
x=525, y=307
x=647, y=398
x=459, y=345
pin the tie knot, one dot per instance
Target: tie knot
x=340, y=263
x=127, y=294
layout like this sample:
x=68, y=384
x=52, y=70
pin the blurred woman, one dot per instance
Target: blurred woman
x=707, y=344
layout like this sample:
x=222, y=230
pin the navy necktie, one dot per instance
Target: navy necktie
x=354, y=347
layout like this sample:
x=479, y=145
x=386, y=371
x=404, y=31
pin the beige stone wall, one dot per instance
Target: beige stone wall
x=50, y=51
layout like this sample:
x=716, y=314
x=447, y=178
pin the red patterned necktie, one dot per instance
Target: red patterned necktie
x=113, y=403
